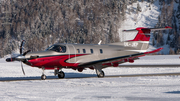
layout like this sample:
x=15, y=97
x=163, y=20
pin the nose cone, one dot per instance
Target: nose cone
x=10, y=59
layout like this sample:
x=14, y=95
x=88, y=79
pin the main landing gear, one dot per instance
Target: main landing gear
x=60, y=74
x=99, y=71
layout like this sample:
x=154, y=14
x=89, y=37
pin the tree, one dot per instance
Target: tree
x=171, y=51
x=153, y=42
x=138, y=8
x=45, y=22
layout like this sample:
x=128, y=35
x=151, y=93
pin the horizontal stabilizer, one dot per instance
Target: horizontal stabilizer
x=144, y=33
x=151, y=29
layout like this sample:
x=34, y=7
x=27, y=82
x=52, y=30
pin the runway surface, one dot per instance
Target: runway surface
x=9, y=79
x=152, y=82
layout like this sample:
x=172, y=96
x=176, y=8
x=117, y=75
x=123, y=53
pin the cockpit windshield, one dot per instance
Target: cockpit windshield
x=57, y=48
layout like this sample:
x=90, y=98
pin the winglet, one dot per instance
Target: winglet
x=168, y=27
x=154, y=51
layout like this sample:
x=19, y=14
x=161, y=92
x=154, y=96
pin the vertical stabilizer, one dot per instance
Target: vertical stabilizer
x=141, y=41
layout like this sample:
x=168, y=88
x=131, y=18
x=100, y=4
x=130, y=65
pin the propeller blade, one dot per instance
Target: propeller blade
x=22, y=43
x=22, y=68
x=26, y=52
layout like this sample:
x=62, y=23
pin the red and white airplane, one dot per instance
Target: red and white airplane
x=93, y=56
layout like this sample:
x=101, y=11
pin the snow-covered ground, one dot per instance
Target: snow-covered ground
x=154, y=88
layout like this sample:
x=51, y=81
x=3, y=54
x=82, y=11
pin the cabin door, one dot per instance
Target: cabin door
x=72, y=53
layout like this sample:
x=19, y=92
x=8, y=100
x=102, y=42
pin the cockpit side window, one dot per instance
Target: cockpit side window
x=57, y=48
x=78, y=51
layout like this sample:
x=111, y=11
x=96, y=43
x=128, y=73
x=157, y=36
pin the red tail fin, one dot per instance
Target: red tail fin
x=144, y=33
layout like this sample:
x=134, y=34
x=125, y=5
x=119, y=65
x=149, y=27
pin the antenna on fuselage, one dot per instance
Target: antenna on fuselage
x=100, y=42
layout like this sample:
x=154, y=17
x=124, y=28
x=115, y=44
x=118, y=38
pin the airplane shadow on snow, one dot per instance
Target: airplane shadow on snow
x=81, y=75
x=173, y=92
x=67, y=76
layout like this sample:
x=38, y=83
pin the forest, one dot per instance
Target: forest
x=42, y=23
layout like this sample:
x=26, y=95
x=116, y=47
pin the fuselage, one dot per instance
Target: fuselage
x=71, y=55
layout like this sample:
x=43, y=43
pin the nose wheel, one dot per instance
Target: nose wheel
x=43, y=77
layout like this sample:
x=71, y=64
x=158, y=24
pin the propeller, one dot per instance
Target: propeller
x=21, y=47
x=20, y=57
x=22, y=68
x=26, y=52
x=21, y=50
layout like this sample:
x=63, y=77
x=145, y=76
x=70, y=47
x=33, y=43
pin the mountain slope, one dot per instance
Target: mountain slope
x=154, y=13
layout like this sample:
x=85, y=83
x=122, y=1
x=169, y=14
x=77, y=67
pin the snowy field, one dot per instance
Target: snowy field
x=76, y=88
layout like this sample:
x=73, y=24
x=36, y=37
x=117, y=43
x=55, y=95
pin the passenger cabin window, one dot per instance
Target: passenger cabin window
x=101, y=51
x=78, y=51
x=91, y=50
x=57, y=48
x=84, y=51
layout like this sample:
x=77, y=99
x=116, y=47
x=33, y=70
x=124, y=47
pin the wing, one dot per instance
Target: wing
x=118, y=59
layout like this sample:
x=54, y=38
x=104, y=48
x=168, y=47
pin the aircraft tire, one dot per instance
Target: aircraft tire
x=101, y=75
x=43, y=77
x=61, y=74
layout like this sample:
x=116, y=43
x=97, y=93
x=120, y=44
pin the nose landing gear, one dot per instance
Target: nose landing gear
x=43, y=76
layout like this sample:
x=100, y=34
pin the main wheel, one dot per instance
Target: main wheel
x=100, y=75
x=43, y=77
x=61, y=74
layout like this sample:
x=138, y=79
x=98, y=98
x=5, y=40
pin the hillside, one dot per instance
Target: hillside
x=155, y=13
x=45, y=22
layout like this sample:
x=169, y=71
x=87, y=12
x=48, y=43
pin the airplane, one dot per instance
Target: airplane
x=92, y=56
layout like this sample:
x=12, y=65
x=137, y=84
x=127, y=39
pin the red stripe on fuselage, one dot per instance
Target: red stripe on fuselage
x=54, y=61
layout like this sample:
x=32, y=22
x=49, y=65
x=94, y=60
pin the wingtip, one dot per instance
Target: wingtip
x=168, y=27
x=160, y=48
x=154, y=51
